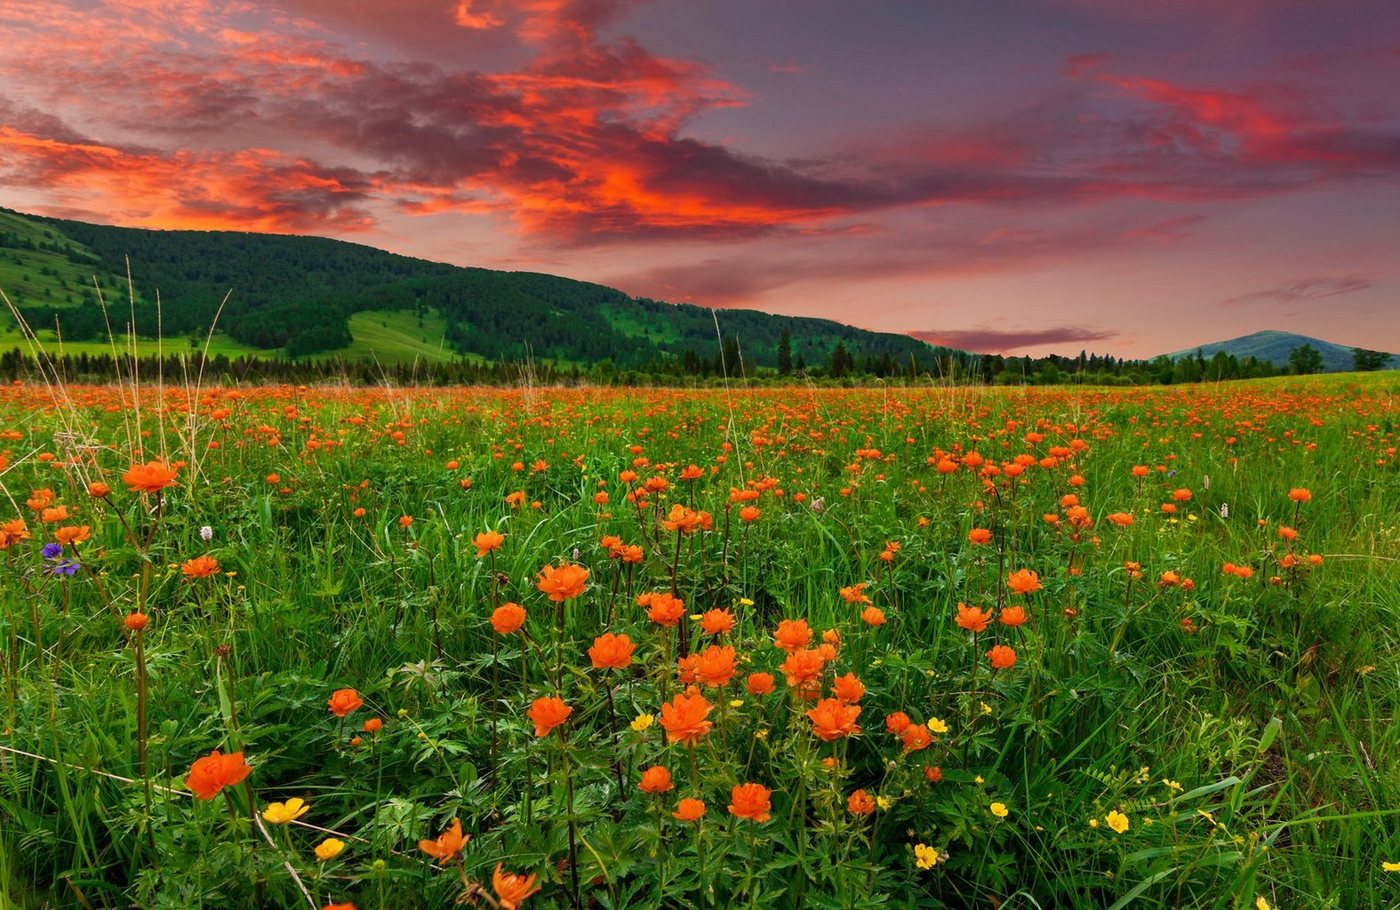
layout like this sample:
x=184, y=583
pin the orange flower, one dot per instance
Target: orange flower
x=759, y=683
x=343, y=701
x=973, y=619
x=99, y=490
x=873, y=616
x=848, y=688
x=689, y=810
x=548, y=713
x=792, y=634
x=562, y=582
x=40, y=499
x=57, y=513
x=373, y=725
x=151, y=477
x=1002, y=657
x=833, y=719
x=663, y=608
x=215, y=771
x=861, y=803
x=200, y=567
x=12, y=532
x=72, y=534
x=897, y=722
x=715, y=668
x=855, y=594
x=656, y=780
x=448, y=844
x=751, y=801
x=136, y=621
x=915, y=737
x=979, y=536
x=487, y=541
x=1300, y=494
x=717, y=622
x=802, y=668
x=1013, y=616
x=507, y=618
x=611, y=652
x=511, y=889
x=684, y=520
x=1023, y=581
x=684, y=718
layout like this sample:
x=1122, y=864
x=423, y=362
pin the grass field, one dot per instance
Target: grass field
x=922, y=647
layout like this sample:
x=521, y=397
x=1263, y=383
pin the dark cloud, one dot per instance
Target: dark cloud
x=984, y=340
x=1304, y=289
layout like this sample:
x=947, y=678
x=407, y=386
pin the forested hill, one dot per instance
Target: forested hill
x=296, y=296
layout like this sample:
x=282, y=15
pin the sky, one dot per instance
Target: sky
x=1128, y=176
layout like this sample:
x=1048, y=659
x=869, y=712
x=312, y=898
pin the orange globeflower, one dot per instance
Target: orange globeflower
x=749, y=514
x=915, y=737
x=855, y=594
x=448, y=844
x=215, y=771
x=1002, y=657
x=373, y=725
x=979, y=536
x=759, y=683
x=715, y=667
x=833, y=719
x=343, y=701
x=663, y=608
x=1023, y=581
x=99, y=490
x=507, y=618
x=873, y=616
x=973, y=619
x=689, y=810
x=897, y=723
x=548, y=713
x=1013, y=616
x=848, y=688
x=72, y=534
x=136, y=621
x=717, y=622
x=1300, y=494
x=487, y=541
x=751, y=801
x=151, y=477
x=611, y=652
x=511, y=889
x=200, y=567
x=562, y=582
x=792, y=634
x=656, y=780
x=684, y=718
x=861, y=803
x=802, y=668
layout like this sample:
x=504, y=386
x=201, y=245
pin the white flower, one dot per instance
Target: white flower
x=1224, y=510
x=206, y=533
x=1205, y=481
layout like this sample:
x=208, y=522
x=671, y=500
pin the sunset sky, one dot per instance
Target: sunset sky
x=1127, y=176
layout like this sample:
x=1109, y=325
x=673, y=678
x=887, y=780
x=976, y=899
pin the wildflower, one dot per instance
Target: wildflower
x=855, y=594
x=925, y=857
x=802, y=668
x=936, y=726
x=664, y=608
x=884, y=802
x=999, y=810
x=486, y=542
x=873, y=616
x=684, y=718
x=933, y=773
x=547, y=713
x=848, y=688
x=343, y=701
x=1261, y=904
x=373, y=725
x=715, y=666
x=915, y=738
x=1013, y=616
x=507, y=618
x=51, y=551
x=329, y=849
x=206, y=533
x=1387, y=866
x=562, y=582
x=860, y=803
x=1300, y=494
x=215, y=771
x=282, y=813
x=511, y=889
x=1117, y=821
x=897, y=723
x=656, y=780
x=135, y=622
x=979, y=537
x=1002, y=657
x=749, y=514
x=643, y=722
x=151, y=477
x=99, y=490
x=1024, y=581
x=72, y=534
x=751, y=801
x=973, y=619
x=447, y=844
x=833, y=719
x=200, y=567
x=759, y=683
x=611, y=652
x=717, y=622
x=792, y=634
x=689, y=810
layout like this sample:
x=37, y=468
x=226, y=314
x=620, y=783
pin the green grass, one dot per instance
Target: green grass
x=396, y=336
x=48, y=340
x=49, y=277
x=1244, y=727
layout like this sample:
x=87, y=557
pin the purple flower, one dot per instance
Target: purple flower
x=51, y=550
x=67, y=567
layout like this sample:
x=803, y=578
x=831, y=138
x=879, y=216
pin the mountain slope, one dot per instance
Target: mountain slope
x=1274, y=347
x=296, y=295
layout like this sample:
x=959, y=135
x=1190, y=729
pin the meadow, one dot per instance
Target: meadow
x=827, y=648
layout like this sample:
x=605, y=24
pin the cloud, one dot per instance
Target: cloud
x=984, y=340
x=1304, y=289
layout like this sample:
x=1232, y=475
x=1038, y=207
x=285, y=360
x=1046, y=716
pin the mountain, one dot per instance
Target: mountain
x=1274, y=347
x=303, y=296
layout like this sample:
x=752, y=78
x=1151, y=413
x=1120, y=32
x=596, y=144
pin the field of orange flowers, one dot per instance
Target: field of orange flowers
x=922, y=647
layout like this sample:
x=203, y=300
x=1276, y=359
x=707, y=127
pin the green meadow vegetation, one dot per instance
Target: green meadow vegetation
x=938, y=646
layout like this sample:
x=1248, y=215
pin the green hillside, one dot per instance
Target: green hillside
x=1275, y=347
x=313, y=297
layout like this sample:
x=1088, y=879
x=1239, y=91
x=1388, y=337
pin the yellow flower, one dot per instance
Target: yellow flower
x=643, y=722
x=1390, y=867
x=937, y=726
x=1000, y=810
x=925, y=856
x=1093, y=823
x=884, y=802
x=1171, y=784
x=1117, y=821
x=745, y=602
x=329, y=849
x=986, y=708
x=1261, y=904
x=736, y=703
x=977, y=780
x=281, y=813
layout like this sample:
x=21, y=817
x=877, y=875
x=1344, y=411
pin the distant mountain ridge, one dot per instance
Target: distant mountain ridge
x=1274, y=347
